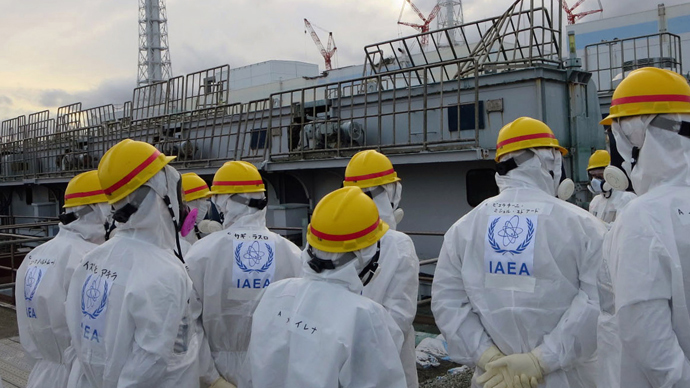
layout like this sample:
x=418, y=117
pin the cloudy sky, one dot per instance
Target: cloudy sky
x=53, y=53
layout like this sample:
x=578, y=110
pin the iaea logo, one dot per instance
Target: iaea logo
x=94, y=296
x=31, y=281
x=253, y=256
x=510, y=232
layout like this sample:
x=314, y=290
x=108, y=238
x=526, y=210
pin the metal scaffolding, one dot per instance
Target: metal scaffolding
x=154, y=53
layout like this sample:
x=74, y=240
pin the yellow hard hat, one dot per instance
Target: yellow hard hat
x=127, y=165
x=237, y=177
x=599, y=159
x=194, y=187
x=368, y=169
x=345, y=220
x=84, y=189
x=649, y=90
x=524, y=133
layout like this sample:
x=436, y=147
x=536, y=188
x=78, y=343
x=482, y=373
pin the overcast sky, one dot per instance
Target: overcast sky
x=54, y=53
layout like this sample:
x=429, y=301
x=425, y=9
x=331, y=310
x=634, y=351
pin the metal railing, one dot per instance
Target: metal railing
x=408, y=101
x=16, y=240
x=410, y=109
x=407, y=109
x=610, y=61
x=527, y=34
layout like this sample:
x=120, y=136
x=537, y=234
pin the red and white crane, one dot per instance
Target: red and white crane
x=326, y=53
x=573, y=17
x=424, y=27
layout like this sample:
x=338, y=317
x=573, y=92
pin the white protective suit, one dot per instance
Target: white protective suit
x=202, y=205
x=519, y=272
x=648, y=256
x=230, y=268
x=208, y=373
x=318, y=332
x=397, y=283
x=42, y=282
x=128, y=306
x=605, y=208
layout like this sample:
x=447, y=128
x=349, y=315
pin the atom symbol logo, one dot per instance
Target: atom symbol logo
x=254, y=254
x=93, y=294
x=511, y=231
x=30, y=278
x=31, y=281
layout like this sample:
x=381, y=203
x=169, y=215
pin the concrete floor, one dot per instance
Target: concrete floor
x=8, y=323
x=14, y=364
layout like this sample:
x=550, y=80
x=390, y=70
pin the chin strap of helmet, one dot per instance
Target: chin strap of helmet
x=504, y=167
x=68, y=218
x=251, y=202
x=680, y=127
x=373, y=191
x=368, y=272
x=318, y=265
x=123, y=214
x=177, y=224
x=109, y=227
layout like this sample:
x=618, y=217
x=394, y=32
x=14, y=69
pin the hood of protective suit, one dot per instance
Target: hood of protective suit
x=89, y=226
x=201, y=205
x=534, y=172
x=152, y=222
x=347, y=275
x=387, y=201
x=238, y=214
x=664, y=155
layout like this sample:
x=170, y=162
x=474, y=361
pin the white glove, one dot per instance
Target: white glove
x=222, y=383
x=520, y=364
x=494, y=378
x=523, y=381
x=489, y=355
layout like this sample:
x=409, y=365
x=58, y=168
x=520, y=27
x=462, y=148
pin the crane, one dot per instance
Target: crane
x=327, y=53
x=427, y=21
x=572, y=17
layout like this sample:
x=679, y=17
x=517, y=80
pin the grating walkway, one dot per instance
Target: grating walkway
x=14, y=364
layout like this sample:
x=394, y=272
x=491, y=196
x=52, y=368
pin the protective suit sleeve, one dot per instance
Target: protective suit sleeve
x=196, y=273
x=460, y=325
x=647, y=336
x=25, y=336
x=401, y=295
x=594, y=203
x=295, y=255
x=372, y=361
x=157, y=311
x=207, y=368
x=643, y=278
x=574, y=337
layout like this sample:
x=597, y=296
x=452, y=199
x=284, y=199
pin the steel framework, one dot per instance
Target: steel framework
x=527, y=34
x=154, y=53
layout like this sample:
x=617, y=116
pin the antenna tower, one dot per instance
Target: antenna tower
x=450, y=15
x=154, y=54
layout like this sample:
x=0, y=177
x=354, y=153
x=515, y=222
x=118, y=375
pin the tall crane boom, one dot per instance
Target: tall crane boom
x=326, y=53
x=573, y=17
x=424, y=27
